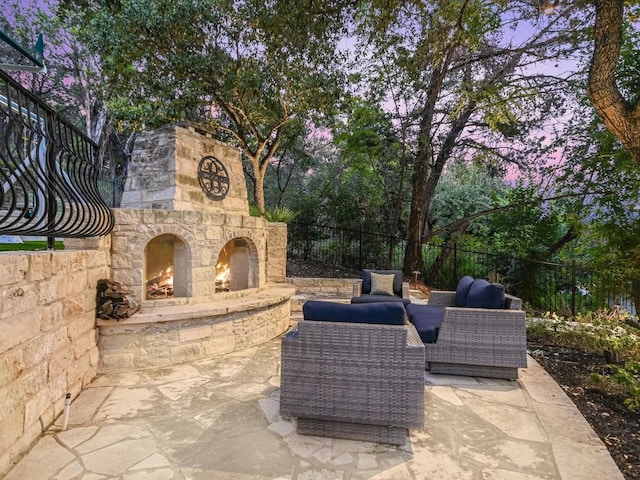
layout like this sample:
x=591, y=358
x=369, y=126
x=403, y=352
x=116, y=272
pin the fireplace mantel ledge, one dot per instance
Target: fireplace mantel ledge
x=264, y=298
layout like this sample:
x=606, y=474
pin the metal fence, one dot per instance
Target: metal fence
x=47, y=173
x=567, y=289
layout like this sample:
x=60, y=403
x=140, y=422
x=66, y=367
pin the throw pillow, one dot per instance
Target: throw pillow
x=381, y=284
x=463, y=291
x=483, y=294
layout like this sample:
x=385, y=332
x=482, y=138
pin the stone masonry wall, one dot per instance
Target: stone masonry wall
x=47, y=339
x=277, y=252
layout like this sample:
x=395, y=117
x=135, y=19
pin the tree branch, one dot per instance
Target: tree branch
x=620, y=117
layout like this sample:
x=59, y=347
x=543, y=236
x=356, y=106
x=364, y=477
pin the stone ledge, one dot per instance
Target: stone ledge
x=158, y=314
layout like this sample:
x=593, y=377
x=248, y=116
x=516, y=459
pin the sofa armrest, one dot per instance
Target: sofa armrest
x=512, y=303
x=405, y=290
x=481, y=336
x=443, y=298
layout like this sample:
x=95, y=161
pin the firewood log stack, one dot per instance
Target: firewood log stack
x=114, y=301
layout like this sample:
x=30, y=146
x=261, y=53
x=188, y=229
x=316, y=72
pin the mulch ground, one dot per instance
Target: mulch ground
x=602, y=406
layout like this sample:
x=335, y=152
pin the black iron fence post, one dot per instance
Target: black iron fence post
x=455, y=260
x=360, y=263
x=51, y=153
x=573, y=288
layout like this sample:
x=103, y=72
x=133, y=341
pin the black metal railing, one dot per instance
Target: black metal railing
x=47, y=176
x=567, y=289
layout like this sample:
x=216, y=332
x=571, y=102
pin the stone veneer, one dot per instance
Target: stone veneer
x=47, y=339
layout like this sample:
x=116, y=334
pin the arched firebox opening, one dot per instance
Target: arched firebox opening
x=235, y=267
x=167, y=268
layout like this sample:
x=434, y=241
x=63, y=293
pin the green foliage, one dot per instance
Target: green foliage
x=628, y=377
x=219, y=62
x=280, y=214
x=604, y=331
x=29, y=245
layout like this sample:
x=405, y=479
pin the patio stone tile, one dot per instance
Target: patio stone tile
x=85, y=405
x=182, y=388
x=43, y=461
x=110, y=435
x=75, y=436
x=119, y=457
x=447, y=394
x=514, y=422
x=500, y=474
x=129, y=402
x=69, y=472
x=154, y=461
x=162, y=474
x=218, y=419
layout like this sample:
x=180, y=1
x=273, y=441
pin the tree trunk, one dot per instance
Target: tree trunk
x=620, y=117
x=413, y=253
x=258, y=186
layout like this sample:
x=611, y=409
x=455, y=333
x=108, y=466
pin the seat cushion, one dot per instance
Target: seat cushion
x=397, y=280
x=463, y=291
x=379, y=298
x=427, y=320
x=386, y=313
x=483, y=294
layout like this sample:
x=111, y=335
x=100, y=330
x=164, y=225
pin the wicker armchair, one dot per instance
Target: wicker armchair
x=478, y=341
x=357, y=381
x=362, y=289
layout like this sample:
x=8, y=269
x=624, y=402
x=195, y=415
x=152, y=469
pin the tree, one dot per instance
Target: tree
x=468, y=92
x=69, y=83
x=220, y=62
x=620, y=114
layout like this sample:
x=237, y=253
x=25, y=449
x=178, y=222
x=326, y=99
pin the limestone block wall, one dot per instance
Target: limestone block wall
x=277, y=252
x=47, y=339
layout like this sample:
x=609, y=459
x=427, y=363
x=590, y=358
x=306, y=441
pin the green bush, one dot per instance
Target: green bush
x=609, y=332
x=280, y=214
x=628, y=377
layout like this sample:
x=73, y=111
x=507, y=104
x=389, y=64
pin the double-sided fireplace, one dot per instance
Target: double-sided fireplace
x=233, y=268
x=187, y=249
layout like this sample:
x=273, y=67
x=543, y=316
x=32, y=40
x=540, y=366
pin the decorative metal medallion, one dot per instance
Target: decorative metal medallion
x=213, y=178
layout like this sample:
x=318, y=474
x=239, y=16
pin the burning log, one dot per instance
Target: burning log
x=113, y=301
x=162, y=285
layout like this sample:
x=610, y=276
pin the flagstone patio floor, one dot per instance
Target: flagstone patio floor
x=218, y=419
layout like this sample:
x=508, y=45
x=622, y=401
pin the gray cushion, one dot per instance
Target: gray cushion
x=483, y=294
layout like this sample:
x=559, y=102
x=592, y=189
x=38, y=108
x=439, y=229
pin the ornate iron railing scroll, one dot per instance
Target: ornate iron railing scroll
x=48, y=180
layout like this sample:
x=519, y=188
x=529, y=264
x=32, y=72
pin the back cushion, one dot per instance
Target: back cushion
x=463, y=291
x=397, y=280
x=387, y=313
x=483, y=294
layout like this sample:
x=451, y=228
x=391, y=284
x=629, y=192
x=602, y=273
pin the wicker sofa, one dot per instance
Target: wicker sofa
x=345, y=377
x=475, y=341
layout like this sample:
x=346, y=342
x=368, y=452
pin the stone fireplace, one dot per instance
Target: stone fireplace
x=186, y=247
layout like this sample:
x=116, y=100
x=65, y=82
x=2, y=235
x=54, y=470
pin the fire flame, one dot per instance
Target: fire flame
x=223, y=272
